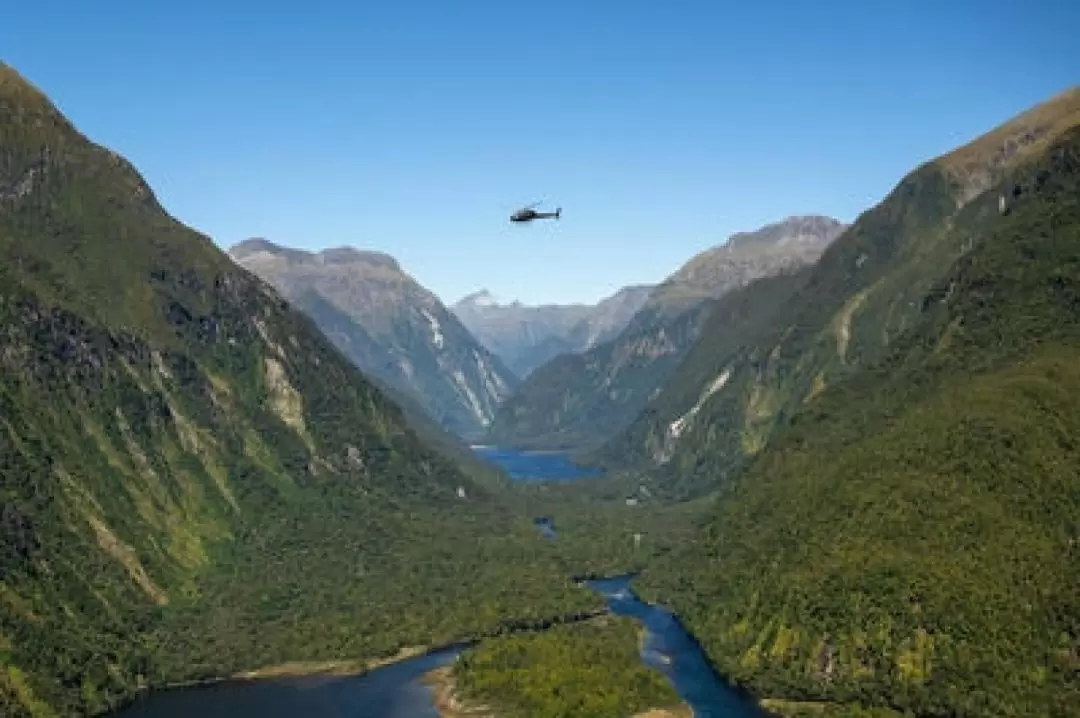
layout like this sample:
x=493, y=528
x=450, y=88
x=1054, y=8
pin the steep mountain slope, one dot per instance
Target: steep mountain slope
x=193, y=479
x=779, y=344
x=682, y=406
x=348, y=338
x=395, y=330
x=909, y=538
x=526, y=337
x=579, y=401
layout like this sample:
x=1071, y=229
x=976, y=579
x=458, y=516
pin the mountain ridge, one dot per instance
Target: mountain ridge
x=864, y=291
x=340, y=254
x=390, y=325
x=578, y=402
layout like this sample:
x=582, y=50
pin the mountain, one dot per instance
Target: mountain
x=525, y=337
x=891, y=442
x=775, y=248
x=578, y=401
x=193, y=479
x=774, y=346
x=389, y=326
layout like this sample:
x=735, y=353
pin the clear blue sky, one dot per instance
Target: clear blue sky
x=417, y=127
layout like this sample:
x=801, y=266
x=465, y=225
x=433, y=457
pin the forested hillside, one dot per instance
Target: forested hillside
x=590, y=669
x=909, y=537
x=771, y=348
x=193, y=479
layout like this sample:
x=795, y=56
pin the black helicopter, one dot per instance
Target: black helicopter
x=528, y=214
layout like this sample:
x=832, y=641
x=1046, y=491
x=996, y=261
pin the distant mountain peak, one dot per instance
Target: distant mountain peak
x=351, y=255
x=331, y=255
x=796, y=239
x=253, y=245
x=482, y=298
x=527, y=335
x=794, y=228
x=390, y=326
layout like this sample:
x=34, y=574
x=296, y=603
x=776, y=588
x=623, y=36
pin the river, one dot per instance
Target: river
x=398, y=691
x=674, y=652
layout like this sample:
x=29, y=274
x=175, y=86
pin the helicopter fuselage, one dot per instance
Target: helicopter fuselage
x=527, y=215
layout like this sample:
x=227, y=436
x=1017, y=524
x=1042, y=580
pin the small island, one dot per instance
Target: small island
x=587, y=669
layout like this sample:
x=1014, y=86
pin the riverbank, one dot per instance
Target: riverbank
x=356, y=667
x=299, y=669
x=446, y=700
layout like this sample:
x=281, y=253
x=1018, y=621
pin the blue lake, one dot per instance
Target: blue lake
x=535, y=466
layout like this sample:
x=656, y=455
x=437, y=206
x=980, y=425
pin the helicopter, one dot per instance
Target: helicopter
x=528, y=214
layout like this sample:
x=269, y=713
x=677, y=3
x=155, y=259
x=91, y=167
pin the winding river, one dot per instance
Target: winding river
x=398, y=691
x=674, y=652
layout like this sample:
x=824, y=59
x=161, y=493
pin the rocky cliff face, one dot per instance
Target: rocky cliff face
x=579, y=401
x=390, y=326
x=526, y=337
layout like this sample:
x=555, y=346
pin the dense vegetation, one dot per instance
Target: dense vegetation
x=910, y=539
x=193, y=480
x=589, y=670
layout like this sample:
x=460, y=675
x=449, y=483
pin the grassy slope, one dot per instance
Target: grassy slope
x=912, y=540
x=193, y=480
